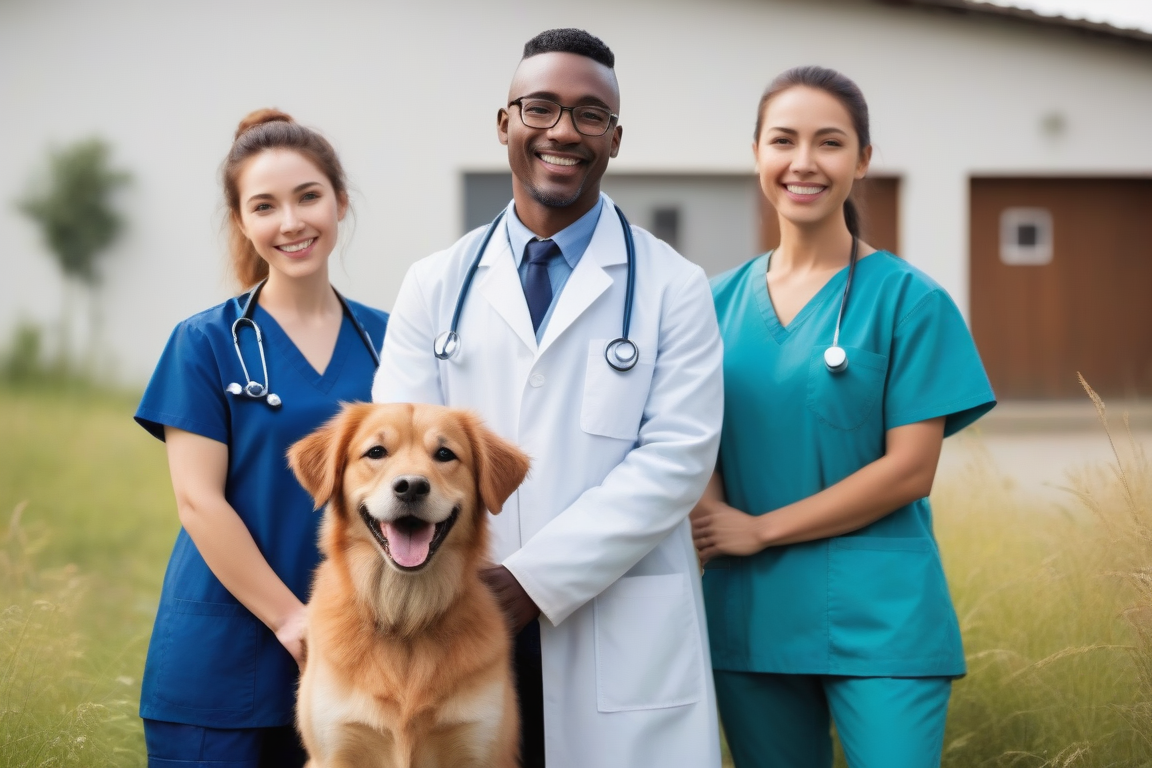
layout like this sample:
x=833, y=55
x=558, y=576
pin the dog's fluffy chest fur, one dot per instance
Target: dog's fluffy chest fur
x=426, y=696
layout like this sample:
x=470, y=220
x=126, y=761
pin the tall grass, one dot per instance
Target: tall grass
x=1055, y=599
x=1055, y=602
x=51, y=712
x=85, y=527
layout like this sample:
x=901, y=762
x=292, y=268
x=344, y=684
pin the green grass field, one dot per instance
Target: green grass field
x=1054, y=600
x=80, y=574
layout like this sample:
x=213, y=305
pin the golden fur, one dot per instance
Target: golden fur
x=407, y=667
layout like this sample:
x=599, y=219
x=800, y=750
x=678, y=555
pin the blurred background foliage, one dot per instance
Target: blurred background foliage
x=72, y=203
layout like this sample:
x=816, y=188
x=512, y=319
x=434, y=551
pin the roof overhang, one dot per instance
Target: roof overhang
x=1092, y=28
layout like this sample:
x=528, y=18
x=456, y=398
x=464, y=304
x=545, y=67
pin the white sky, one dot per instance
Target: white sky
x=1119, y=13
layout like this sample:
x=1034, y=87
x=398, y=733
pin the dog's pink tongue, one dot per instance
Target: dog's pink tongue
x=409, y=544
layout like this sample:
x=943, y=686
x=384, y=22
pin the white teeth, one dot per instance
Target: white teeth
x=796, y=189
x=297, y=246
x=555, y=160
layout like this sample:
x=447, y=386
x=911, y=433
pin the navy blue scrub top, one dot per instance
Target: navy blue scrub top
x=210, y=661
x=873, y=602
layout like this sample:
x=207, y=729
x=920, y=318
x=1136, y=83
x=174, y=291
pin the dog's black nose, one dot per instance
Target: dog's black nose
x=411, y=487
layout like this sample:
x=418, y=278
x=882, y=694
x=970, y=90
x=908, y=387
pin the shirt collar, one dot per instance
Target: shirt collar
x=573, y=240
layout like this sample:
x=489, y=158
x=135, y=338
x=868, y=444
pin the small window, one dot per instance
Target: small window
x=666, y=225
x=1026, y=236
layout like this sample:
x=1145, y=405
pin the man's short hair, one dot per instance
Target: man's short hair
x=570, y=40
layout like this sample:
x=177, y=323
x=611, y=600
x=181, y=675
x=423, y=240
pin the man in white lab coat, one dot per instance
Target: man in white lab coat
x=596, y=571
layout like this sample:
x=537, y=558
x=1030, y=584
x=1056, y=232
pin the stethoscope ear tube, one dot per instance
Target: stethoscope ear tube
x=835, y=358
x=447, y=344
x=630, y=289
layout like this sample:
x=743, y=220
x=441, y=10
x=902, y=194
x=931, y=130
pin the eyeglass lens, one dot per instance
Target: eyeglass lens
x=542, y=113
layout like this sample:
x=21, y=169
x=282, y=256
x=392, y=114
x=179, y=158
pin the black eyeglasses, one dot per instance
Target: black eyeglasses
x=544, y=113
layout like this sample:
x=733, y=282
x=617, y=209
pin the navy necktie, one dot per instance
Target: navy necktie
x=537, y=286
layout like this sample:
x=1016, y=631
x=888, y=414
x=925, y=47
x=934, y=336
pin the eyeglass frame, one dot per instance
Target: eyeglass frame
x=612, y=116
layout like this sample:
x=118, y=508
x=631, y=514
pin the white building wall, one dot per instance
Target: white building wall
x=167, y=83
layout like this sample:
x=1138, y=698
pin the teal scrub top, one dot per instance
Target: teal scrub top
x=873, y=602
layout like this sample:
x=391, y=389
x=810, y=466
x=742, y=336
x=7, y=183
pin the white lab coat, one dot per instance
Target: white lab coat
x=598, y=534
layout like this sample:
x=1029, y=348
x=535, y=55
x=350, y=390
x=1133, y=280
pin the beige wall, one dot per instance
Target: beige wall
x=950, y=96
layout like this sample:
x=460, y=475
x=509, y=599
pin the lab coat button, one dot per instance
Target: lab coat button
x=536, y=380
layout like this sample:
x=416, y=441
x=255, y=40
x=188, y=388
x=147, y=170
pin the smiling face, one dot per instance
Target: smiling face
x=290, y=211
x=808, y=155
x=410, y=478
x=559, y=167
x=407, y=482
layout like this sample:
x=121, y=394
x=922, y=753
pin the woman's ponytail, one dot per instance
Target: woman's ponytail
x=852, y=217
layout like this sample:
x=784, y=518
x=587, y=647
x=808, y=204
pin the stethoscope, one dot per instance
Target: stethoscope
x=835, y=358
x=622, y=353
x=254, y=389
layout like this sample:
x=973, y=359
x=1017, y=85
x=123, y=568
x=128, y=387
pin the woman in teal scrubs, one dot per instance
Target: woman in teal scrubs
x=220, y=679
x=825, y=594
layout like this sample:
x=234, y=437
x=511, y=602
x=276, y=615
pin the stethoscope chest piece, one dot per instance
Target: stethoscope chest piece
x=622, y=354
x=836, y=359
x=446, y=345
x=255, y=390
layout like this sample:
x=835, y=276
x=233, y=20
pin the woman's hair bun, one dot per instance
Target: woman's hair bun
x=261, y=116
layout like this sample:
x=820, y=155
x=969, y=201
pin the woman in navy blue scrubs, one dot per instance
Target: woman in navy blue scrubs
x=220, y=679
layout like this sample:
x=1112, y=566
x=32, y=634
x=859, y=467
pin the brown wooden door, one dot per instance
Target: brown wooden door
x=877, y=199
x=1088, y=310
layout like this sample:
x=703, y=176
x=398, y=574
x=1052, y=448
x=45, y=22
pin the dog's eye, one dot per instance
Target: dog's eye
x=444, y=455
x=376, y=452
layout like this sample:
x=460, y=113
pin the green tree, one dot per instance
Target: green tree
x=72, y=205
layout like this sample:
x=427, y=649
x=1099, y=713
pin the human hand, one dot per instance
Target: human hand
x=518, y=607
x=292, y=633
x=718, y=529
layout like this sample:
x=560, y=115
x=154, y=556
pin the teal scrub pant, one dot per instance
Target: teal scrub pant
x=782, y=721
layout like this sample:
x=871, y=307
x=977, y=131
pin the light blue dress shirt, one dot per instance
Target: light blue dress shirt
x=573, y=240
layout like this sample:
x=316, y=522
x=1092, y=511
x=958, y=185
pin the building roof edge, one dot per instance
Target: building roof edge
x=1094, y=28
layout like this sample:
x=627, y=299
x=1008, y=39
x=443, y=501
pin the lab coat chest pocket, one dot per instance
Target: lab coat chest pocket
x=613, y=401
x=647, y=645
x=845, y=400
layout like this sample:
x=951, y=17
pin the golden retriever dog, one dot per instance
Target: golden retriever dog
x=408, y=654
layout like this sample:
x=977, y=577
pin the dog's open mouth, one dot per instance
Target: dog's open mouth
x=409, y=541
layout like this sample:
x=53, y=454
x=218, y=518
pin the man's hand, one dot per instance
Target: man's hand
x=518, y=608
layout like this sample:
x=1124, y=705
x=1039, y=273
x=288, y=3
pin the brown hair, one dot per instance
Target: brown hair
x=845, y=91
x=262, y=130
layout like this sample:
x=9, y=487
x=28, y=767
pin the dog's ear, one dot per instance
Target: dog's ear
x=318, y=459
x=500, y=465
